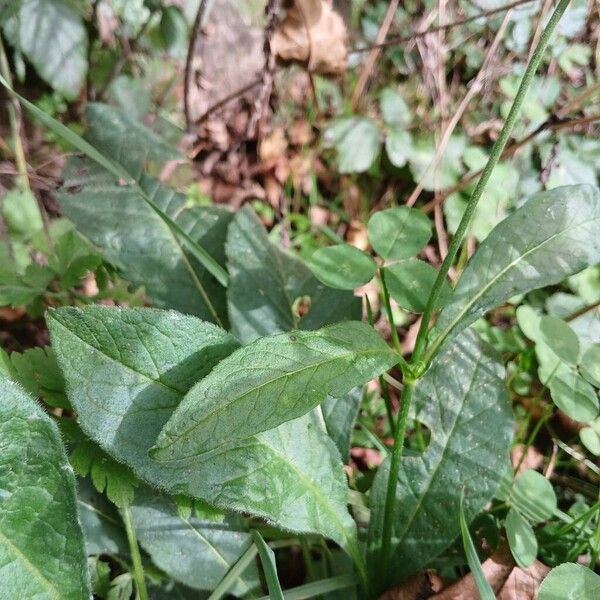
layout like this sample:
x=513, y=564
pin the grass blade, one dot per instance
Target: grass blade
x=123, y=176
x=235, y=571
x=267, y=558
x=483, y=586
x=318, y=588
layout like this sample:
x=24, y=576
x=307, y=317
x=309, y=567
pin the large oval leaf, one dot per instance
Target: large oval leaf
x=272, y=291
x=273, y=380
x=192, y=550
x=127, y=370
x=463, y=402
x=554, y=235
x=570, y=581
x=42, y=553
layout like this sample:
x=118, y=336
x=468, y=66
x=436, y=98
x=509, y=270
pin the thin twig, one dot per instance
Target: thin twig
x=365, y=73
x=552, y=124
x=397, y=40
x=474, y=88
x=576, y=102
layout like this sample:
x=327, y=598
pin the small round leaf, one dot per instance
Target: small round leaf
x=398, y=233
x=590, y=439
x=590, y=365
x=529, y=322
x=357, y=141
x=521, y=539
x=570, y=581
x=409, y=283
x=533, y=496
x=560, y=338
x=343, y=266
x=574, y=396
x=398, y=144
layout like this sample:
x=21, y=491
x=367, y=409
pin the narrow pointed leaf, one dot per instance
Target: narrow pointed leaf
x=127, y=370
x=552, y=236
x=463, y=402
x=271, y=381
x=193, y=551
x=42, y=553
x=483, y=586
x=267, y=558
x=272, y=291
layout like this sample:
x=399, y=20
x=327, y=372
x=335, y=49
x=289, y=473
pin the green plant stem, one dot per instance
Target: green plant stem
x=136, y=559
x=495, y=155
x=388, y=308
x=317, y=588
x=12, y=106
x=392, y=482
x=422, y=358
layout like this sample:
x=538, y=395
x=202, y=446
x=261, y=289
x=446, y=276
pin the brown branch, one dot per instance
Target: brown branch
x=187, y=76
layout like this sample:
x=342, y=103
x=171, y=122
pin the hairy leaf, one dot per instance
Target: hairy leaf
x=554, y=235
x=271, y=381
x=42, y=553
x=272, y=291
x=193, y=551
x=127, y=370
x=131, y=235
x=463, y=402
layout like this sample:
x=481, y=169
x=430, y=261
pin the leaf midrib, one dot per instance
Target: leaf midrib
x=218, y=409
x=494, y=279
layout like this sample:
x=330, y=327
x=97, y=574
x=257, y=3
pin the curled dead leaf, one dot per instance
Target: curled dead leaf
x=314, y=34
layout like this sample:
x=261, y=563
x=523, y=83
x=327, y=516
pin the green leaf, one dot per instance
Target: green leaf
x=574, y=396
x=102, y=526
x=273, y=380
x=521, y=539
x=54, y=39
x=21, y=214
x=123, y=177
x=398, y=146
x=450, y=168
x=357, y=141
x=267, y=559
x=271, y=291
x=533, y=496
x=570, y=581
x=343, y=267
x=561, y=339
x=340, y=415
x=129, y=233
x=521, y=253
x=463, y=402
x=590, y=438
x=394, y=110
x=106, y=474
x=126, y=141
x=192, y=551
x=410, y=283
x=42, y=552
x=483, y=587
x=127, y=370
x=398, y=233
x=590, y=365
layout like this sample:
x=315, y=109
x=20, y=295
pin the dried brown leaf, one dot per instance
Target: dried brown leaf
x=314, y=34
x=523, y=584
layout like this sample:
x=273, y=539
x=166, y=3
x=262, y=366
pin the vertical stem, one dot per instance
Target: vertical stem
x=136, y=559
x=14, y=113
x=495, y=155
x=417, y=365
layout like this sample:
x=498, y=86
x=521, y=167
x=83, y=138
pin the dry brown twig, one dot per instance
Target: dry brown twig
x=367, y=69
